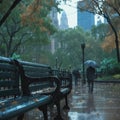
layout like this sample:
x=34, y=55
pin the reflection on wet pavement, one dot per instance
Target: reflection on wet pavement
x=103, y=104
x=83, y=106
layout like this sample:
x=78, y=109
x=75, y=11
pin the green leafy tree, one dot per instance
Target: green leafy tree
x=6, y=7
x=12, y=35
x=68, y=48
x=109, y=9
x=27, y=24
x=100, y=31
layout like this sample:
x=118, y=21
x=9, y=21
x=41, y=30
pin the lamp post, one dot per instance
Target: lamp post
x=56, y=62
x=83, y=47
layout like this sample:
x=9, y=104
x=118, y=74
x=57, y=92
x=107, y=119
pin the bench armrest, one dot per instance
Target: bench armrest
x=65, y=78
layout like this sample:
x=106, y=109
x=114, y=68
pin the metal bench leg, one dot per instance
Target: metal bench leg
x=58, y=117
x=66, y=104
x=20, y=117
x=44, y=110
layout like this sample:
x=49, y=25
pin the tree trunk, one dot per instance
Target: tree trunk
x=116, y=38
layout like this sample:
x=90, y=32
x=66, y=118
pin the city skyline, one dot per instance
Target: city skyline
x=71, y=10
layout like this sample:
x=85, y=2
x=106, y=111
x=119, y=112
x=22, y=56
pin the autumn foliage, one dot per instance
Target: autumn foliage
x=36, y=14
x=109, y=43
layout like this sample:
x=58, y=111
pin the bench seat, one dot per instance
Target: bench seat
x=65, y=91
x=13, y=107
x=25, y=86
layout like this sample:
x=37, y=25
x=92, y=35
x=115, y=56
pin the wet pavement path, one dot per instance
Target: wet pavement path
x=102, y=104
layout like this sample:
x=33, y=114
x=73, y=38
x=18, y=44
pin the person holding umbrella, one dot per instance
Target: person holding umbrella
x=90, y=73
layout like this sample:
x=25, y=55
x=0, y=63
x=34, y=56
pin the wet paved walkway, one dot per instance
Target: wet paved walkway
x=103, y=104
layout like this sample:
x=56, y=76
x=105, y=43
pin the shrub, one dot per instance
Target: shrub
x=110, y=66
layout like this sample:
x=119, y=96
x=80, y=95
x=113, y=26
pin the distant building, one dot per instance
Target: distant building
x=63, y=21
x=54, y=17
x=63, y=25
x=84, y=19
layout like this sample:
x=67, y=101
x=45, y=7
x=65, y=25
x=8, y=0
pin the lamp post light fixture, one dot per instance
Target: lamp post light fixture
x=83, y=47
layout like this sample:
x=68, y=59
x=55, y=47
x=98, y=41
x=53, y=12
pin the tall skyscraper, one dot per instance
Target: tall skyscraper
x=84, y=19
x=54, y=17
x=64, y=21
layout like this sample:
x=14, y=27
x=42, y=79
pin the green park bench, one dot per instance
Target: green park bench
x=26, y=85
x=21, y=92
x=39, y=71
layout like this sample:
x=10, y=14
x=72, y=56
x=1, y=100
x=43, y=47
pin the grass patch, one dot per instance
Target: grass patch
x=109, y=77
x=117, y=76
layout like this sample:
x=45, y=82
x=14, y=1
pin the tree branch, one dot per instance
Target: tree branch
x=15, y=3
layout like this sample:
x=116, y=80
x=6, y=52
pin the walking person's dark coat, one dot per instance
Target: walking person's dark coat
x=90, y=72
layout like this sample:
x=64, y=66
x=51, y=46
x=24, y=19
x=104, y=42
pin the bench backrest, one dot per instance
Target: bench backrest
x=32, y=71
x=9, y=79
x=36, y=69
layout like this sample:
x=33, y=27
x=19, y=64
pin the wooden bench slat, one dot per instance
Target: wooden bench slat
x=6, y=66
x=7, y=83
x=9, y=79
x=9, y=92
